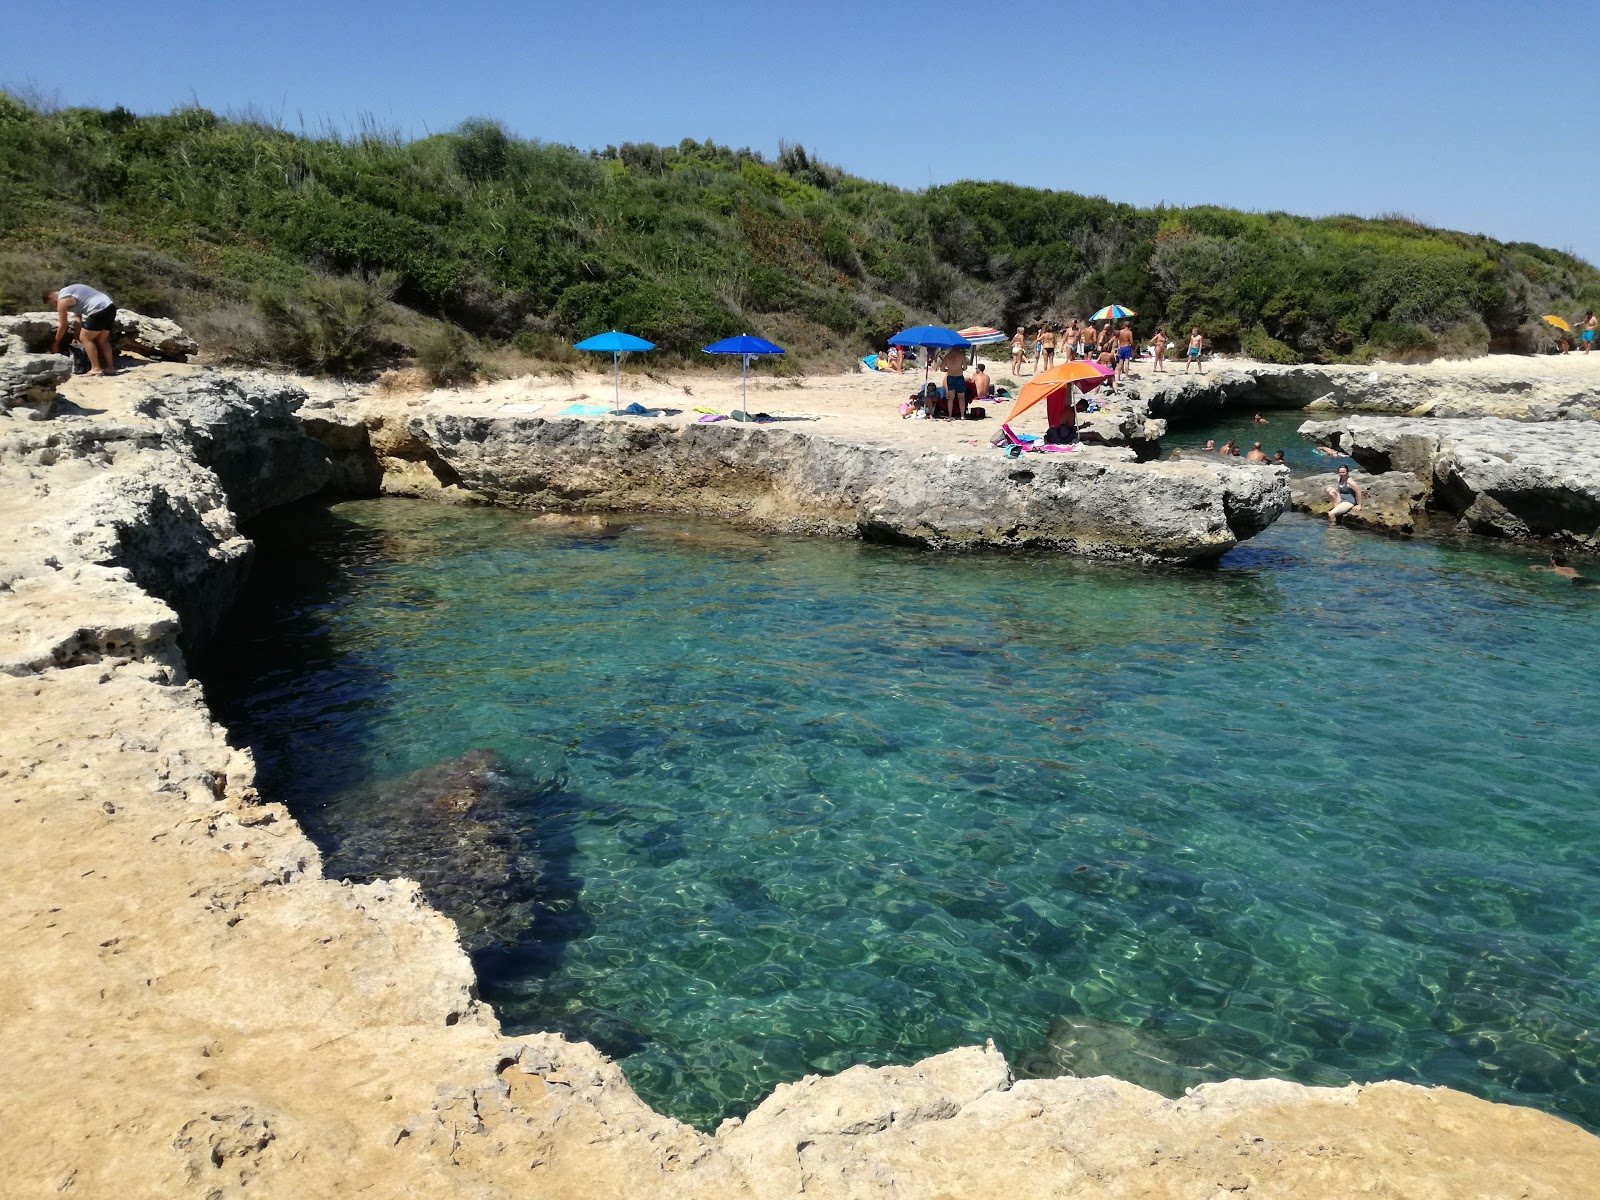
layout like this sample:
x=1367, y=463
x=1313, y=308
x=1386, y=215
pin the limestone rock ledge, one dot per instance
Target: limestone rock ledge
x=1518, y=389
x=193, y=1010
x=1091, y=502
x=1496, y=477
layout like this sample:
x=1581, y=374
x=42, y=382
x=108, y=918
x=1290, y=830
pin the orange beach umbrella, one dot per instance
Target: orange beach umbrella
x=1559, y=323
x=1085, y=374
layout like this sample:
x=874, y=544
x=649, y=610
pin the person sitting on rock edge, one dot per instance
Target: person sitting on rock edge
x=1346, y=497
x=96, y=313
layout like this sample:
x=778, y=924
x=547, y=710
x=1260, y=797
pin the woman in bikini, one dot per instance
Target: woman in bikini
x=1019, y=346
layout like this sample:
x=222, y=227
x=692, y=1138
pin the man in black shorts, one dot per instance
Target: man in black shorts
x=96, y=315
x=955, y=382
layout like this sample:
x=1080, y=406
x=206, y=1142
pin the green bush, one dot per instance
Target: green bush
x=330, y=327
x=1262, y=347
x=683, y=244
x=448, y=358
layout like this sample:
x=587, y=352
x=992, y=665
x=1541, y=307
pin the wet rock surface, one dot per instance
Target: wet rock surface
x=1496, y=477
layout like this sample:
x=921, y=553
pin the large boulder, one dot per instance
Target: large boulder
x=1389, y=503
x=134, y=333
x=1497, y=477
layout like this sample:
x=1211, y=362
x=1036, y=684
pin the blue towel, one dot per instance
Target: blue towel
x=585, y=410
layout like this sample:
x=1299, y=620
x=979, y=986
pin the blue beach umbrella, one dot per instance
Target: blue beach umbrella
x=745, y=346
x=615, y=344
x=929, y=337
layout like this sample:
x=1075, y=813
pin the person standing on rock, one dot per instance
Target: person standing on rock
x=1047, y=347
x=1124, y=351
x=955, y=382
x=1346, y=497
x=96, y=315
x=1196, y=343
x=1159, y=345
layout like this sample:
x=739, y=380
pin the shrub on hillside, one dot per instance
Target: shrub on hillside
x=1262, y=347
x=329, y=327
x=448, y=358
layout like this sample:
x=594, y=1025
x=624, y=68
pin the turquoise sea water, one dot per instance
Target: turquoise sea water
x=1325, y=812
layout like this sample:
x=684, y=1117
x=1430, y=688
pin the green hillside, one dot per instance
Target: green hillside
x=528, y=244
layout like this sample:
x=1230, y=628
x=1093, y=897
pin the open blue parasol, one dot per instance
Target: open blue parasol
x=745, y=346
x=929, y=337
x=615, y=344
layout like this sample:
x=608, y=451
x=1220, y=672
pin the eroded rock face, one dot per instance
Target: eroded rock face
x=29, y=381
x=1089, y=502
x=1447, y=390
x=145, y=507
x=243, y=427
x=1390, y=503
x=133, y=333
x=1499, y=478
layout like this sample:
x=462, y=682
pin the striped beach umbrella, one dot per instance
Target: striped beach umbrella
x=982, y=335
x=1113, y=312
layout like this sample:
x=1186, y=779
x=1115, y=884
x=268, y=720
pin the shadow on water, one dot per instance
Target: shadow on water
x=484, y=827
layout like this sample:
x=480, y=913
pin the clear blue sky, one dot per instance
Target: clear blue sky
x=1466, y=114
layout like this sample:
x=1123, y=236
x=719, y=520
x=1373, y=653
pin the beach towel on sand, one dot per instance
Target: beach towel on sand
x=585, y=410
x=636, y=410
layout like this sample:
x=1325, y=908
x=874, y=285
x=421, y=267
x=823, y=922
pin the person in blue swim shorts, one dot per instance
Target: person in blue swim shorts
x=1588, y=327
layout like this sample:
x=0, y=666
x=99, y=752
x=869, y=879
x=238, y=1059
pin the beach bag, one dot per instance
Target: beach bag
x=977, y=414
x=80, y=358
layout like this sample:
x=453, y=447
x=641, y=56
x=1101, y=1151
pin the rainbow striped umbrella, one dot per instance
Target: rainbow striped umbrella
x=1113, y=312
x=982, y=335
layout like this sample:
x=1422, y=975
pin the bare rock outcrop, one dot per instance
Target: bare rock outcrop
x=132, y=333
x=144, y=508
x=1513, y=388
x=1390, y=503
x=1090, y=502
x=29, y=381
x=1498, y=477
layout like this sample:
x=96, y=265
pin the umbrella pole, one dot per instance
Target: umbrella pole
x=744, y=384
x=616, y=379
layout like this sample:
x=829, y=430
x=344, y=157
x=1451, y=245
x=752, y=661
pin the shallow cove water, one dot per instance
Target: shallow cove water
x=1324, y=812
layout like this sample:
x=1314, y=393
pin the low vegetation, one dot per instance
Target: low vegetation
x=325, y=251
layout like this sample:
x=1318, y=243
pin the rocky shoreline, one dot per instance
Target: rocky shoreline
x=202, y=1013
x=1521, y=390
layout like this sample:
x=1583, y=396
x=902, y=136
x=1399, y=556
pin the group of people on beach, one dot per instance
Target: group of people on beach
x=1111, y=345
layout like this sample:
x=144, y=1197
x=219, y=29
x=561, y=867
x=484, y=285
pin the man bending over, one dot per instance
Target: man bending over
x=96, y=314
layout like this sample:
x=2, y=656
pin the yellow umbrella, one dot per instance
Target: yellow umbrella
x=1559, y=323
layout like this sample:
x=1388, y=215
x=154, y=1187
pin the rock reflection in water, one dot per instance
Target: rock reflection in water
x=1085, y=1047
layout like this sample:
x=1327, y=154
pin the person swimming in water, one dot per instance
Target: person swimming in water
x=1560, y=566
